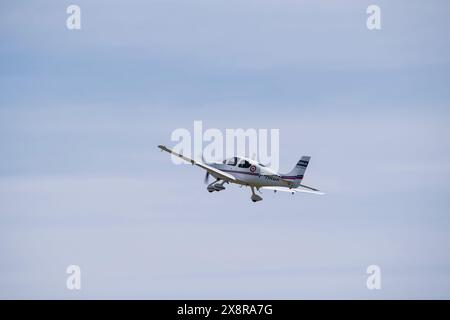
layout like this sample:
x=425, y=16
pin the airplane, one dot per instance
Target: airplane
x=247, y=172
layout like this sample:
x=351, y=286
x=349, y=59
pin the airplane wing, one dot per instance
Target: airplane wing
x=216, y=172
x=293, y=190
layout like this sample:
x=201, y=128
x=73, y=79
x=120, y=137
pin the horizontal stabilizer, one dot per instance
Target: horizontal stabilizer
x=294, y=190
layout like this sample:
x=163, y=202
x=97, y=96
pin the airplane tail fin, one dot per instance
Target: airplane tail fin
x=296, y=174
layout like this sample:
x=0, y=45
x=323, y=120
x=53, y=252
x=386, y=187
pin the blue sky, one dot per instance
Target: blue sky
x=81, y=180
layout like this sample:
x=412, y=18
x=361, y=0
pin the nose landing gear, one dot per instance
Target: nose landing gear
x=215, y=186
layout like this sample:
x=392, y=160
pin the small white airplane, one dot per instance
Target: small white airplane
x=246, y=172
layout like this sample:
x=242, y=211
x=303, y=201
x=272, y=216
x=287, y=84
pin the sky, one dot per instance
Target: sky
x=82, y=182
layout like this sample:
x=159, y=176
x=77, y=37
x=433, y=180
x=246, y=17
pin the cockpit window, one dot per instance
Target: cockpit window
x=231, y=161
x=244, y=164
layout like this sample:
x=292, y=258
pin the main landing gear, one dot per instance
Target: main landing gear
x=254, y=196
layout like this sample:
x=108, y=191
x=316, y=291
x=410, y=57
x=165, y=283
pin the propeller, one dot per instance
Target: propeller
x=207, y=173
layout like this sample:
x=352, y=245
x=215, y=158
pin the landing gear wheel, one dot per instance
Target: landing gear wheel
x=255, y=197
x=210, y=186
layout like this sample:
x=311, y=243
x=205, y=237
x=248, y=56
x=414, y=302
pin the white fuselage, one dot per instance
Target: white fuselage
x=255, y=175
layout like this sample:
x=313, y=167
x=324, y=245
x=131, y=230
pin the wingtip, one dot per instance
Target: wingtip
x=163, y=148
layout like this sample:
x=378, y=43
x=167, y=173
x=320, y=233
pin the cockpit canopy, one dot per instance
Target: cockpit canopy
x=241, y=163
x=231, y=161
